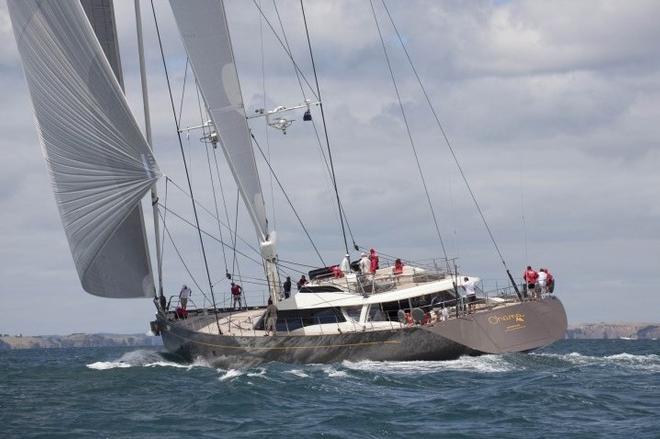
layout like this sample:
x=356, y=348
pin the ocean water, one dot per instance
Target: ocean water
x=574, y=388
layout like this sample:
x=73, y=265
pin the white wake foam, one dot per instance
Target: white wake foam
x=142, y=358
x=298, y=373
x=231, y=373
x=482, y=364
x=334, y=373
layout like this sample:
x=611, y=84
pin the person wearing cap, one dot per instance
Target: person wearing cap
x=365, y=264
x=345, y=265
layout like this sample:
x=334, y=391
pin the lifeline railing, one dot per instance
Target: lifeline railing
x=382, y=281
x=457, y=308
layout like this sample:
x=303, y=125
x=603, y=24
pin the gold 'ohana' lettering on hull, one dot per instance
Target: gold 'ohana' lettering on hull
x=512, y=322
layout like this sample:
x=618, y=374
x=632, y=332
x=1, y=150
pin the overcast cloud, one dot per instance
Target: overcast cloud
x=553, y=109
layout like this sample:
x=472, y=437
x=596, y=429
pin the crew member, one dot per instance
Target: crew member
x=184, y=294
x=345, y=265
x=287, y=287
x=550, y=282
x=398, y=267
x=541, y=283
x=336, y=271
x=444, y=313
x=271, y=318
x=470, y=294
x=236, y=291
x=301, y=283
x=373, y=261
x=530, y=276
x=365, y=264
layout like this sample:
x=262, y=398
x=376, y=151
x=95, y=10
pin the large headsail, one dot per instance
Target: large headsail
x=100, y=164
x=203, y=28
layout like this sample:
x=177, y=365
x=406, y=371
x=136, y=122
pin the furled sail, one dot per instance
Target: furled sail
x=203, y=28
x=100, y=164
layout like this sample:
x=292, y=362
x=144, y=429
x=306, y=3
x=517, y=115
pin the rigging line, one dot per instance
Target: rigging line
x=296, y=263
x=183, y=92
x=295, y=212
x=169, y=89
x=412, y=142
x=233, y=262
x=288, y=268
x=166, y=229
x=215, y=203
x=522, y=209
x=205, y=209
x=288, y=47
x=263, y=86
x=164, y=216
x=208, y=161
x=210, y=235
x=286, y=50
x=325, y=127
x=224, y=204
x=446, y=138
x=316, y=131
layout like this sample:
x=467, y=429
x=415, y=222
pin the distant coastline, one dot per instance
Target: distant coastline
x=78, y=340
x=639, y=331
x=635, y=331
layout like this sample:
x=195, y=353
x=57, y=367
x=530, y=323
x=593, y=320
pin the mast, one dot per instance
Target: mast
x=147, y=133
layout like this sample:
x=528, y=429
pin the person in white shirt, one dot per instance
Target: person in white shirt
x=445, y=314
x=184, y=294
x=345, y=265
x=365, y=264
x=470, y=294
x=541, y=283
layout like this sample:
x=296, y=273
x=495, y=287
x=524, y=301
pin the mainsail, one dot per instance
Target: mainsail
x=100, y=164
x=203, y=28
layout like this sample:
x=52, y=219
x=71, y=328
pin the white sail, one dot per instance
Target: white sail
x=203, y=28
x=100, y=164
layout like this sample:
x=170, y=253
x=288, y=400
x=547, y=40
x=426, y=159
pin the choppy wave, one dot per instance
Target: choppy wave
x=649, y=362
x=485, y=364
x=143, y=358
x=231, y=373
x=297, y=372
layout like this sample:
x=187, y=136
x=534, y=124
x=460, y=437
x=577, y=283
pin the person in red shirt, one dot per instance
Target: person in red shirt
x=398, y=267
x=236, y=292
x=550, y=282
x=373, y=259
x=530, y=276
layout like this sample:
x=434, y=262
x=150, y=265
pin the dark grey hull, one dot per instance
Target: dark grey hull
x=516, y=328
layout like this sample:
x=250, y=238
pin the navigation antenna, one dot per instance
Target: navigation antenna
x=275, y=119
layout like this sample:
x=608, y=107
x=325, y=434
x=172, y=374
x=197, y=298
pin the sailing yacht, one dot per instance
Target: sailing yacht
x=101, y=166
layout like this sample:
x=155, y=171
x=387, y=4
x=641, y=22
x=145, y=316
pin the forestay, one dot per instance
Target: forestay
x=203, y=28
x=100, y=164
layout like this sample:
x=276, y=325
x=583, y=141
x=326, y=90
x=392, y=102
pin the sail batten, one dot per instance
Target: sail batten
x=205, y=35
x=99, y=163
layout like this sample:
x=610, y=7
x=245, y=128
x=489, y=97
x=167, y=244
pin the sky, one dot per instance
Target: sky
x=553, y=110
